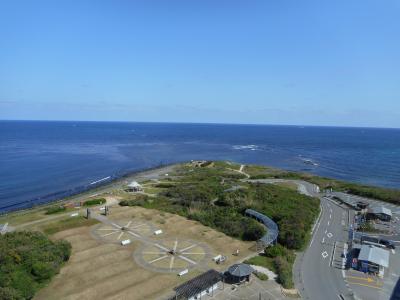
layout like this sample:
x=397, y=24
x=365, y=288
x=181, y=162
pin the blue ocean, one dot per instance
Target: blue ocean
x=43, y=161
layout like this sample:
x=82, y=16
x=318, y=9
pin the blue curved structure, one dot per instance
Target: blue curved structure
x=272, y=234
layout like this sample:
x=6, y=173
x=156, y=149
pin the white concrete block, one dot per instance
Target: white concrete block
x=125, y=242
x=183, y=272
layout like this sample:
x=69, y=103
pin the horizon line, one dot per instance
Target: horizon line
x=200, y=123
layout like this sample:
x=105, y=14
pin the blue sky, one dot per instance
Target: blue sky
x=273, y=62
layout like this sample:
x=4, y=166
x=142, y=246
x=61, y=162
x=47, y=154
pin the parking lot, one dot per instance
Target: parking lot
x=368, y=286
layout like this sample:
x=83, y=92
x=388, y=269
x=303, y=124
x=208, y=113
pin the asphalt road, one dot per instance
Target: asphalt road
x=318, y=273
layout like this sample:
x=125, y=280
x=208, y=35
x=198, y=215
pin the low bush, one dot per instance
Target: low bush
x=55, y=209
x=164, y=185
x=92, y=202
x=261, y=276
x=28, y=261
x=137, y=200
x=277, y=250
x=284, y=270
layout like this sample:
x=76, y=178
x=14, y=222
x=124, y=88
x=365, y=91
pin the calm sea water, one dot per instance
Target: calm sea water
x=42, y=161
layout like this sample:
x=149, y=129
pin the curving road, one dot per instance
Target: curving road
x=318, y=272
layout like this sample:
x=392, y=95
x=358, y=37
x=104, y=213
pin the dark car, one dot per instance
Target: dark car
x=387, y=244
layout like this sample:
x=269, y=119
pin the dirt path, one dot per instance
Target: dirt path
x=243, y=172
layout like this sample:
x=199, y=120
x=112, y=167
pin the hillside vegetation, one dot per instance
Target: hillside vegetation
x=28, y=260
x=217, y=196
x=384, y=194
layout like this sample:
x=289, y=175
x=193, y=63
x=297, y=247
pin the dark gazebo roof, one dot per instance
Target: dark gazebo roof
x=198, y=284
x=240, y=270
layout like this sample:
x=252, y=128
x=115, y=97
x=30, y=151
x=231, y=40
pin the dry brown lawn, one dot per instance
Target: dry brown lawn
x=99, y=270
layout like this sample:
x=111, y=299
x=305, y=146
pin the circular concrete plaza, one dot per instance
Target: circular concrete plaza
x=117, y=231
x=173, y=255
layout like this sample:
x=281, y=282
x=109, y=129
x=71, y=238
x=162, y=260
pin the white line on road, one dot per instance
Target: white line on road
x=328, y=223
x=333, y=253
x=330, y=216
x=329, y=235
x=324, y=254
x=323, y=240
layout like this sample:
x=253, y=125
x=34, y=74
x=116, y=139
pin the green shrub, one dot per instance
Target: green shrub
x=164, y=185
x=284, y=270
x=261, y=276
x=28, y=261
x=55, y=209
x=92, y=202
x=253, y=231
x=137, y=200
x=9, y=293
x=275, y=250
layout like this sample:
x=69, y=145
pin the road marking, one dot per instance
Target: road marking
x=326, y=230
x=319, y=223
x=323, y=240
x=127, y=225
x=330, y=235
x=329, y=223
x=367, y=279
x=333, y=253
x=367, y=285
x=120, y=235
x=324, y=254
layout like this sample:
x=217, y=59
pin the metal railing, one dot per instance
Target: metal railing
x=272, y=234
